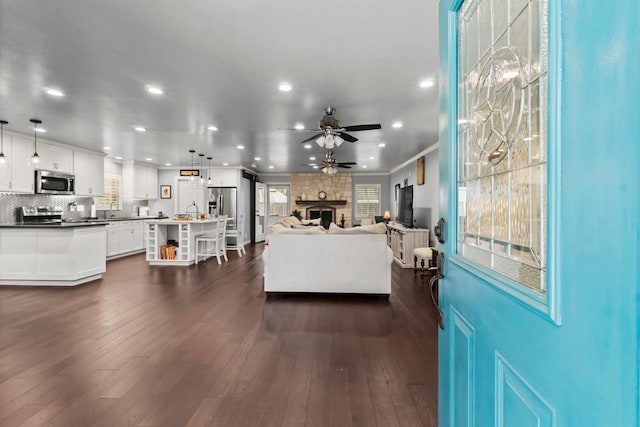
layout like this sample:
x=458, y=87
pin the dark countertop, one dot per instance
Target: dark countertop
x=79, y=222
x=56, y=226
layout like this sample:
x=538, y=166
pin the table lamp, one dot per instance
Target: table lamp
x=386, y=216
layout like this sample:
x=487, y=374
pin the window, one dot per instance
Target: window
x=367, y=200
x=278, y=200
x=111, y=198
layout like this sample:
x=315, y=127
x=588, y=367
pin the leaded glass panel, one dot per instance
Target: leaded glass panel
x=502, y=113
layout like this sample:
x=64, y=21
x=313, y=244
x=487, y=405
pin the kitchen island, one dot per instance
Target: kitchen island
x=62, y=254
x=173, y=242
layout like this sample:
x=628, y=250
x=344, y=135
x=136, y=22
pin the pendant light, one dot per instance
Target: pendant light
x=35, y=159
x=201, y=175
x=209, y=170
x=191, y=177
x=3, y=158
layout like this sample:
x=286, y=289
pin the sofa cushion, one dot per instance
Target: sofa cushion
x=379, y=228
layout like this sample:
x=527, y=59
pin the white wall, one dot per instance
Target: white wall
x=424, y=196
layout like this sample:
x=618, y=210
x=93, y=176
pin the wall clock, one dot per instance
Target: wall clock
x=322, y=195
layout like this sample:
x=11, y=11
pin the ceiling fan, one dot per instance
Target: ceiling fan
x=332, y=134
x=330, y=165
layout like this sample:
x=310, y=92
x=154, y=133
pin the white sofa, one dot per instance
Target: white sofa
x=328, y=263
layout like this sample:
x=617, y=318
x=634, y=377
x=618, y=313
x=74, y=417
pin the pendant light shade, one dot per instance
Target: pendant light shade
x=191, y=178
x=201, y=174
x=3, y=158
x=209, y=170
x=35, y=159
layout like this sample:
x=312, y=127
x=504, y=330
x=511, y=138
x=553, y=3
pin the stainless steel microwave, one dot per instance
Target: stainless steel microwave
x=49, y=182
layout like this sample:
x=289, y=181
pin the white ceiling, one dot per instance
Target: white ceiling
x=220, y=62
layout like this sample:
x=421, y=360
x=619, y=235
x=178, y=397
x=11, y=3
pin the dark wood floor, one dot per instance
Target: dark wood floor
x=203, y=346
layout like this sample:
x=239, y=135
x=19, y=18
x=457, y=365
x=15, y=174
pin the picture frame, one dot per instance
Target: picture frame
x=165, y=191
x=189, y=172
x=420, y=171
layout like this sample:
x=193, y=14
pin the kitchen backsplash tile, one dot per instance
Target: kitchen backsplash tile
x=9, y=203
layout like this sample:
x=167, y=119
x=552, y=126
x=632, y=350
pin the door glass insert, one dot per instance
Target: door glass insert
x=502, y=138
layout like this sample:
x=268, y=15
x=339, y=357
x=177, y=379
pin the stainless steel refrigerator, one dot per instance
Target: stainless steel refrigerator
x=223, y=201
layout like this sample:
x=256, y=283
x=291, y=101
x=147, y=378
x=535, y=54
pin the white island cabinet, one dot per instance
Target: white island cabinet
x=163, y=233
x=52, y=255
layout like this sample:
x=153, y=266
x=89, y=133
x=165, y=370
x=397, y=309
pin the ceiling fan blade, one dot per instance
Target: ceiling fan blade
x=356, y=128
x=343, y=166
x=348, y=137
x=311, y=138
x=308, y=130
x=346, y=163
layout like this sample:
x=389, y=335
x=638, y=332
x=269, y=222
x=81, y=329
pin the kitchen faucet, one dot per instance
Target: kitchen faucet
x=110, y=208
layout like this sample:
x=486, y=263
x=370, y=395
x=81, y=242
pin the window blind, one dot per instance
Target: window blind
x=367, y=200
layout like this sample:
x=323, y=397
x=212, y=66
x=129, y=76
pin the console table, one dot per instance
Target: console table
x=403, y=241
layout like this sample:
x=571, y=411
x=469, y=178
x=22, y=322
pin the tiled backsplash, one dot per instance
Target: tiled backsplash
x=9, y=203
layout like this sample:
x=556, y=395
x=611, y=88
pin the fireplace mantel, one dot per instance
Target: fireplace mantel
x=321, y=202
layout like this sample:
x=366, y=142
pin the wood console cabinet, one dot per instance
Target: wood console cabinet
x=403, y=241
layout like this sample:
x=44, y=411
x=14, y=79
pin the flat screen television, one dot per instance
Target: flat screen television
x=405, y=206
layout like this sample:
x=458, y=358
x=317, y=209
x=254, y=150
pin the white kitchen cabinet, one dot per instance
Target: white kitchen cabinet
x=5, y=169
x=20, y=169
x=125, y=237
x=112, y=240
x=224, y=177
x=55, y=158
x=139, y=181
x=89, y=171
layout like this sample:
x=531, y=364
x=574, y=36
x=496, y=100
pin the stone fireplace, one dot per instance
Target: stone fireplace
x=305, y=196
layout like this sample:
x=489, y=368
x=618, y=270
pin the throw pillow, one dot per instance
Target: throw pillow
x=365, y=229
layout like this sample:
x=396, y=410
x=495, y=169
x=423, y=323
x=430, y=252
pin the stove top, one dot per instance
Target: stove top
x=39, y=214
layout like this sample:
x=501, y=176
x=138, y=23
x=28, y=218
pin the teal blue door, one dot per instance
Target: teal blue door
x=539, y=160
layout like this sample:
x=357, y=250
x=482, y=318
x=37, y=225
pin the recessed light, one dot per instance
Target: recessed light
x=396, y=125
x=54, y=92
x=364, y=166
x=148, y=159
x=315, y=166
x=307, y=146
x=118, y=158
x=312, y=158
x=257, y=159
x=140, y=128
x=225, y=164
x=371, y=158
x=312, y=164
x=284, y=87
x=240, y=147
x=426, y=83
x=41, y=130
x=212, y=127
x=167, y=164
x=106, y=148
x=299, y=126
x=382, y=145
x=155, y=90
x=270, y=167
x=253, y=165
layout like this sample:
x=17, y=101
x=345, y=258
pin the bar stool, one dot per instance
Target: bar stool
x=208, y=245
x=237, y=237
x=428, y=256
